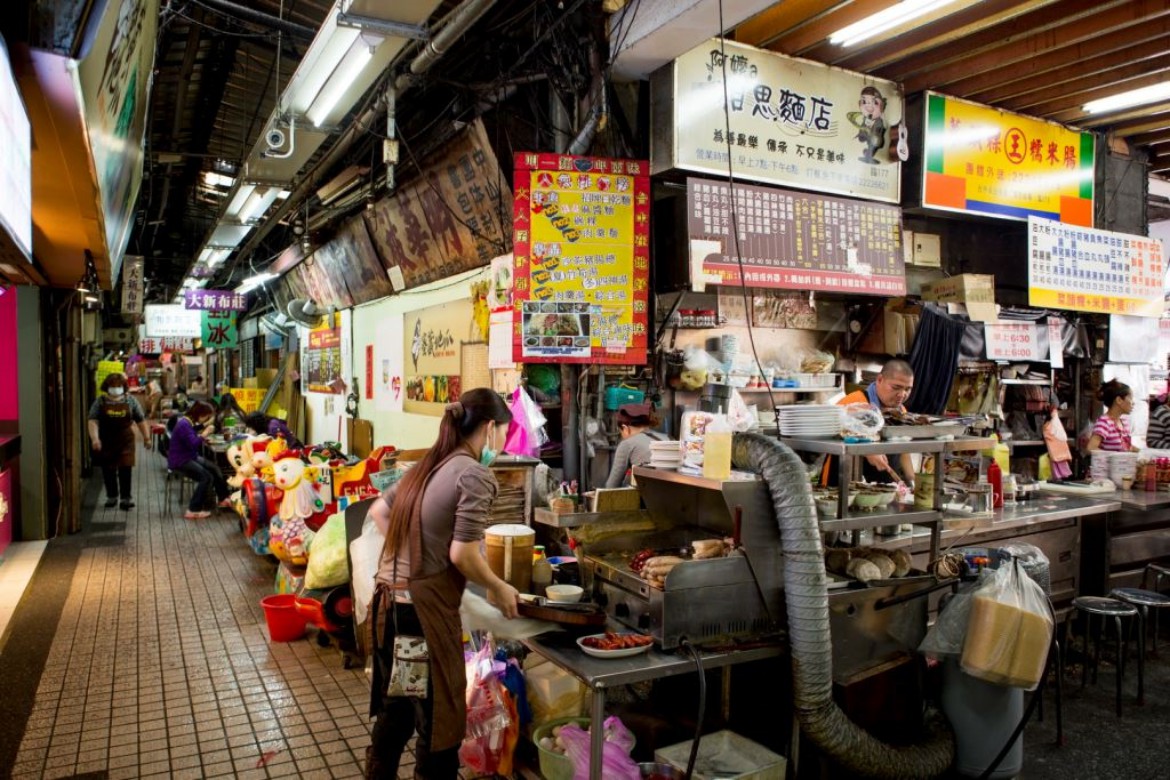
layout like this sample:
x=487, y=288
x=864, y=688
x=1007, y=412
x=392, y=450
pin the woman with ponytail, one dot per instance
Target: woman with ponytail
x=434, y=520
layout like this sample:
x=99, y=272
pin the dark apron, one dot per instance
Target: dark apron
x=116, y=432
x=436, y=600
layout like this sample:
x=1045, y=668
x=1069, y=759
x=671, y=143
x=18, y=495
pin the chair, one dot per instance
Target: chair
x=1143, y=601
x=186, y=485
x=1118, y=610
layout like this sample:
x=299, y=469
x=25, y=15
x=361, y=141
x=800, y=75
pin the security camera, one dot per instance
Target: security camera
x=274, y=138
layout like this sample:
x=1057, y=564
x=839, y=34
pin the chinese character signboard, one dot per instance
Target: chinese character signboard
x=792, y=122
x=321, y=358
x=985, y=161
x=796, y=240
x=171, y=319
x=452, y=219
x=133, y=285
x=432, y=342
x=1016, y=342
x=219, y=330
x=214, y=300
x=581, y=241
x=1083, y=269
x=152, y=345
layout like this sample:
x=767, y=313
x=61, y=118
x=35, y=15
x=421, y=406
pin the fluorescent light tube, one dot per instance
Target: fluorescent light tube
x=252, y=282
x=257, y=203
x=887, y=19
x=239, y=199
x=332, y=53
x=1134, y=97
x=356, y=59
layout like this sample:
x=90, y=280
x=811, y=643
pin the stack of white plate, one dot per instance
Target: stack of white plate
x=665, y=455
x=810, y=420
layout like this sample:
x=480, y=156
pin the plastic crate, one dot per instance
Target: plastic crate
x=617, y=396
x=727, y=756
x=384, y=479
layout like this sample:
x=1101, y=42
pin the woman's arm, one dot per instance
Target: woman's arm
x=1094, y=443
x=472, y=565
x=621, y=464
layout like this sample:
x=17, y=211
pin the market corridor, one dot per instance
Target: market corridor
x=156, y=660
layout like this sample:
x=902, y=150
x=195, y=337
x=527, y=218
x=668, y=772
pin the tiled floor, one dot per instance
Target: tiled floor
x=161, y=663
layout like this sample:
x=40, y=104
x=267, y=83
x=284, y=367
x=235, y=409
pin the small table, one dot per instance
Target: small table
x=602, y=673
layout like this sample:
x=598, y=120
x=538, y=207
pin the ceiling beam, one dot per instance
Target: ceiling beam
x=1147, y=123
x=820, y=27
x=1005, y=44
x=765, y=28
x=934, y=35
x=1087, y=85
x=1132, y=44
x=1159, y=138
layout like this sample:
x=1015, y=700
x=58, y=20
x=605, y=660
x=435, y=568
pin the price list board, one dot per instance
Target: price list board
x=796, y=240
x=1084, y=269
x=581, y=245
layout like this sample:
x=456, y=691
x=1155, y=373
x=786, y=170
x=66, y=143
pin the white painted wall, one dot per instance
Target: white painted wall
x=405, y=431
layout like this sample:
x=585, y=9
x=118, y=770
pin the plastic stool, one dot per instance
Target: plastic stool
x=1106, y=608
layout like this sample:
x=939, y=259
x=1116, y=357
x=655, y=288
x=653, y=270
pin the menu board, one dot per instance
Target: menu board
x=795, y=240
x=321, y=359
x=781, y=120
x=1084, y=269
x=985, y=161
x=581, y=241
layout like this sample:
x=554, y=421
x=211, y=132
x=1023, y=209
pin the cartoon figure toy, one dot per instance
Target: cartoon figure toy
x=239, y=456
x=298, y=481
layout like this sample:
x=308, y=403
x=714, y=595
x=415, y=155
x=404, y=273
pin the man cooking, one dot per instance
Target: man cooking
x=889, y=391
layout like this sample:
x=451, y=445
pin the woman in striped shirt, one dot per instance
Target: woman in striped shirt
x=1111, y=431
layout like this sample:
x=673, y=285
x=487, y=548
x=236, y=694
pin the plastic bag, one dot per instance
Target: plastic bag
x=615, y=756
x=365, y=553
x=1009, y=630
x=526, y=432
x=863, y=421
x=327, y=567
x=738, y=416
x=949, y=632
x=814, y=361
x=486, y=746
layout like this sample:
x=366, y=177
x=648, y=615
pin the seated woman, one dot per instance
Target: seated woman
x=262, y=425
x=185, y=455
x=229, y=407
x=637, y=423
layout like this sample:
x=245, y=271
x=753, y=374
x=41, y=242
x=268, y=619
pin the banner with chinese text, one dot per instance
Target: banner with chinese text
x=432, y=342
x=219, y=330
x=133, y=285
x=321, y=358
x=792, y=122
x=1084, y=269
x=796, y=240
x=582, y=254
x=449, y=220
x=152, y=345
x=986, y=161
x=213, y=300
x=1016, y=342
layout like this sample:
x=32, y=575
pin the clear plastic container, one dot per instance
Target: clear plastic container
x=717, y=449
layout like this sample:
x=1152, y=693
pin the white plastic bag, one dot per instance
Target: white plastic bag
x=1009, y=630
x=365, y=552
x=738, y=416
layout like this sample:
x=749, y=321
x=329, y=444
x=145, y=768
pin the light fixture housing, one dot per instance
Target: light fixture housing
x=887, y=19
x=252, y=282
x=341, y=80
x=1128, y=99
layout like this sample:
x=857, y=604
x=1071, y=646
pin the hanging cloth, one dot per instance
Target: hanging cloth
x=935, y=359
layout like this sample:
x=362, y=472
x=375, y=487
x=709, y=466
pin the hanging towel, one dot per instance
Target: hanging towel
x=934, y=358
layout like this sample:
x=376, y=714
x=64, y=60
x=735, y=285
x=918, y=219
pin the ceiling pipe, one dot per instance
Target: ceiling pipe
x=230, y=9
x=461, y=20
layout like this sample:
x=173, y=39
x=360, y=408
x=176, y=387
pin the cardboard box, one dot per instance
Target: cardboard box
x=976, y=291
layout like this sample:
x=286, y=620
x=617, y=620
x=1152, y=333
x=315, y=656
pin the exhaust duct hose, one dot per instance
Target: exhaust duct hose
x=807, y=601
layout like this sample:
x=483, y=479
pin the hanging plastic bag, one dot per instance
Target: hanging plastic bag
x=488, y=744
x=947, y=635
x=739, y=417
x=616, y=763
x=327, y=568
x=365, y=553
x=1009, y=630
x=526, y=432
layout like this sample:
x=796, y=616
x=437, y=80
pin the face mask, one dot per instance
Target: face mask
x=116, y=392
x=487, y=454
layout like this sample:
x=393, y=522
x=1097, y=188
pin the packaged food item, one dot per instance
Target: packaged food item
x=1009, y=630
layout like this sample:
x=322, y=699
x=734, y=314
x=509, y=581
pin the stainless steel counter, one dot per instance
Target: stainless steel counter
x=1118, y=547
x=602, y=673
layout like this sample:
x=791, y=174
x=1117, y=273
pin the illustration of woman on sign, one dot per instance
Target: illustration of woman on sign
x=870, y=122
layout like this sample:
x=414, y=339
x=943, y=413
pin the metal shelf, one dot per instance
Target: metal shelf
x=861, y=521
x=1012, y=443
x=841, y=448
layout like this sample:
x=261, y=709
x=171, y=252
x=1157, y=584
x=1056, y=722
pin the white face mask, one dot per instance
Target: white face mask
x=116, y=392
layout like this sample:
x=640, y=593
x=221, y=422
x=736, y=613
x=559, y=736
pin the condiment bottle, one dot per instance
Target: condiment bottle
x=541, y=574
x=995, y=479
x=717, y=449
x=1151, y=476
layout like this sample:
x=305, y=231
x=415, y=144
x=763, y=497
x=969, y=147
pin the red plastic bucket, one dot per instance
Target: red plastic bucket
x=285, y=623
